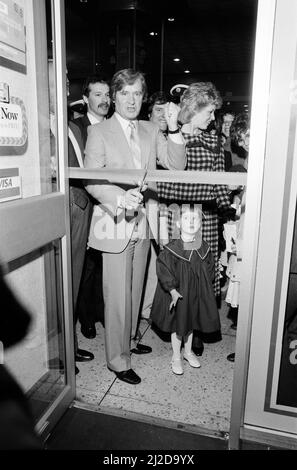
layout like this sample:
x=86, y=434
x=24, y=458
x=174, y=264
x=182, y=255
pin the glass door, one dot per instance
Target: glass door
x=264, y=405
x=34, y=222
x=271, y=387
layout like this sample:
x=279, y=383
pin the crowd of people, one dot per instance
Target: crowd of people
x=158, y=251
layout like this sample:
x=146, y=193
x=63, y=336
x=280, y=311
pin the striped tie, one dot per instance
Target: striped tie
x=134, y=145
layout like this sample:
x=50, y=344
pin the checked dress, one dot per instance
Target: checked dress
x=205, y=152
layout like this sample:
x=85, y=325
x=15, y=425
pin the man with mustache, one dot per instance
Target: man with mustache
x=90, y=305
x=96, y=97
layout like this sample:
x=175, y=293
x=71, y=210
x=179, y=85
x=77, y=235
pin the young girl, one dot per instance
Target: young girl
x=184, y=299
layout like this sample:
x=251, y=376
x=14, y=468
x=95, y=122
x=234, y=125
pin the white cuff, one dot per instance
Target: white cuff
x=121, y=203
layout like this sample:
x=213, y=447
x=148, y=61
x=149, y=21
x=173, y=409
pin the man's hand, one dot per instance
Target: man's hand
x=132, y=199
x=142, y=186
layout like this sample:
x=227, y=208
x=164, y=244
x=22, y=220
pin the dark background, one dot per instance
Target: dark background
x=214, y=39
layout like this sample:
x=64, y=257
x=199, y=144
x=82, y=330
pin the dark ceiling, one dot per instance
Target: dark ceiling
x=214, y=40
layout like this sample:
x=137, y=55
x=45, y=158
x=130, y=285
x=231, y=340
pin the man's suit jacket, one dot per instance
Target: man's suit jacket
x=78, y=193
x=83, y=123
x=107, y=147
x=90, y=304
x=80, y=207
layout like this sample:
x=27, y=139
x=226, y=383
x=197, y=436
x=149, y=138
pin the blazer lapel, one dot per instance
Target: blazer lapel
x=120, y=143
x=86, y=121
x=144, y=142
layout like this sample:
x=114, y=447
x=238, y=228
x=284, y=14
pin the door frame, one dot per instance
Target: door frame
x=263, y=414
x=254, y=182
x=45, y=218
x=259, y=125
x=37, y=209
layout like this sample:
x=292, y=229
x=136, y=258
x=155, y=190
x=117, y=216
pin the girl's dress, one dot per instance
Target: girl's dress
x=190, y=272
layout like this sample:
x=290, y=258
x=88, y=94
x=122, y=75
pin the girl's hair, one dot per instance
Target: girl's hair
x=177, y=212
x=196, y=97
x=189, y=207
x=127, y=77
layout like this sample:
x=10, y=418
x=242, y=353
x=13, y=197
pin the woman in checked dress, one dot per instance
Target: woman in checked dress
x=204, y=152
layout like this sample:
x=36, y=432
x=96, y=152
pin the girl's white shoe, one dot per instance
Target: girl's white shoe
x=177, y=366
x=192, y=359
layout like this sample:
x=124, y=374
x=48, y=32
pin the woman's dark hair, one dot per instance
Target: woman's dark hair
x=239, y=126
x=159, y=97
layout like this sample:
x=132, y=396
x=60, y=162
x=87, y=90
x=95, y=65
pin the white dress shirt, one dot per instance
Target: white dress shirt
x=125, y=124
x=92, y=118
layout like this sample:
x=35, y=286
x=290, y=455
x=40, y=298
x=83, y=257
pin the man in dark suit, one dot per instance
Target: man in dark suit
x=80, y=207
x=90, y=305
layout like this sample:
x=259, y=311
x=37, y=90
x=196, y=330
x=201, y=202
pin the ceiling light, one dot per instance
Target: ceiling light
x=152, y=33
x=176, y=59
x=171, y=19
x=187, y=71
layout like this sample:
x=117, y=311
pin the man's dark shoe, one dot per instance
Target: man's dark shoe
x=231, y=357
x=128, y=376
x=141, y=349
x=198, y=351
x=234, y=326
x=82, y=356
x=88, y=331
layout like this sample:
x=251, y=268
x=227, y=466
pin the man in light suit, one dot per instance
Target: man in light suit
x=123, y=142
x=90, y=306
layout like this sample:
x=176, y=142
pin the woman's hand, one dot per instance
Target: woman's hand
x=171, y=111
x=175, y=296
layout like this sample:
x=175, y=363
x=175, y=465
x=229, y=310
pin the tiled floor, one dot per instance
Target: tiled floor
x=200, y=397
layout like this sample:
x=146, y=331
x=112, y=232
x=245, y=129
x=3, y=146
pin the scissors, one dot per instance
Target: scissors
x=142, y=181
